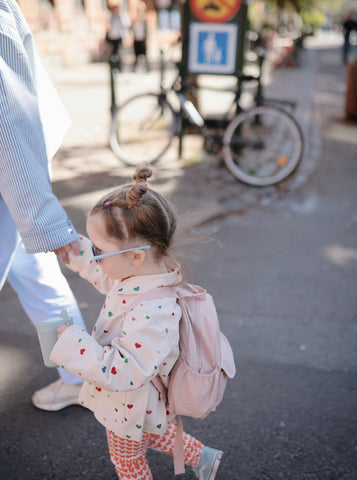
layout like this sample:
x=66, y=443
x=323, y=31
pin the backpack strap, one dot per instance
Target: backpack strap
x=160, y=387
x=179, y=459
x=183, y=291
x=156, y=292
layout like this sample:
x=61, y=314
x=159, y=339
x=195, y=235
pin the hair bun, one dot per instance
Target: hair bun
x=139, y=188
x=141, y=174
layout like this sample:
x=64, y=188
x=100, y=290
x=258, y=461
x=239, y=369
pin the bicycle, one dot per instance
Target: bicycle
x=261, y=145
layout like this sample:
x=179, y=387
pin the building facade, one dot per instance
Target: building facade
x=72, y=30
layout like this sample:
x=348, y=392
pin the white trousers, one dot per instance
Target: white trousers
x=37, y=279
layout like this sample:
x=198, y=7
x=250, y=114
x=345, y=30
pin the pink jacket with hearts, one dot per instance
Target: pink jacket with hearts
x=126, y=350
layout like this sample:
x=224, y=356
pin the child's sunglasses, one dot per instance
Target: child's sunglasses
x=105, y=255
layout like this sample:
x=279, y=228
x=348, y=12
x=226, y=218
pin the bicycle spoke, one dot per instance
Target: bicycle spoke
x=144, y=127
x=262, y=146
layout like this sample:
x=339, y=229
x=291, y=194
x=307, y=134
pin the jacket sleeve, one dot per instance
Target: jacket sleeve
x=128, y=362
x=87, y=268
x=24, y=181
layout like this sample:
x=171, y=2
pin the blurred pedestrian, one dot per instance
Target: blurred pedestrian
x=163, y=8
x=349, y=25
x=131, y=232
x=140, y=29
x=32, y=125
x=115, y=33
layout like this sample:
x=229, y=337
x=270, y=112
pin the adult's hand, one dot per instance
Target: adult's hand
x=62, y=252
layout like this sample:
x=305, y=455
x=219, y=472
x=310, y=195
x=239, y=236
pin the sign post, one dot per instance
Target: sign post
x=213, y=36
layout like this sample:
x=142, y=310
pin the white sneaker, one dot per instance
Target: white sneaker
x=56, y=395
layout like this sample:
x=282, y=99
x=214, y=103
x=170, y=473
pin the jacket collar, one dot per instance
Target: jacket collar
x=143, y=283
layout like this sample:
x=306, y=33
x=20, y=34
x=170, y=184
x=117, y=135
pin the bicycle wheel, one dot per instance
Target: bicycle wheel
x=262, y=146
x=142, y=129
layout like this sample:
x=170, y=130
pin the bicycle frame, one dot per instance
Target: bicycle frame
x=187, y=109
x=261, y=145
x=192, y=113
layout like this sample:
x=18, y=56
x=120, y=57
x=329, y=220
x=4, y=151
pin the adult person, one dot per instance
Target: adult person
x=348, y=26
x=139, y=28
x=32, y=126
x=118, y=26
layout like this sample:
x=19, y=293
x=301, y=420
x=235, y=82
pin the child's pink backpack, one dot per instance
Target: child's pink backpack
x=199, y=376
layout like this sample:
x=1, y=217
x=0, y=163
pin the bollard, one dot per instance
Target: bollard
x=351, y=93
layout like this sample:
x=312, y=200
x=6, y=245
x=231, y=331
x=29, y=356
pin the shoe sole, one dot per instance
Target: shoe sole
x=55, y=407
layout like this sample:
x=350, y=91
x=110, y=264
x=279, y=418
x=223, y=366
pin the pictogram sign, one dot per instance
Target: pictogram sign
x=212, y=48
x=218, y=11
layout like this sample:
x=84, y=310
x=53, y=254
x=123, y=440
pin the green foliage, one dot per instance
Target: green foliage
x=297, y=5
x=313, y=18
x=312, y=12
x=304, y=6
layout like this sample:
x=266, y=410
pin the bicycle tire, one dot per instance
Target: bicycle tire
x=262, y=146
x=142, y=129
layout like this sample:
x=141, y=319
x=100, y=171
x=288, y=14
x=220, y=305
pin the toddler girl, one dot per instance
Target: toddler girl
x=131, y=231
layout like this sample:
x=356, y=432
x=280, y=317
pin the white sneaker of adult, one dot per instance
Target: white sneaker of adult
x=56, y=395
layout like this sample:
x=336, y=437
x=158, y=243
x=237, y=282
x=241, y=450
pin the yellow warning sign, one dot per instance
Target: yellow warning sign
x=215, y=10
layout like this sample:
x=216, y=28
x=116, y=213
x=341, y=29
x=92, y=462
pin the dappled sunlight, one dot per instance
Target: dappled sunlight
x=323, y=40
x=328, y=98
x=340, y=255
x=342, y=132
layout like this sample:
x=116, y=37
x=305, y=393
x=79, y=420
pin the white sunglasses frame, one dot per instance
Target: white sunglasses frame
x=105, y=255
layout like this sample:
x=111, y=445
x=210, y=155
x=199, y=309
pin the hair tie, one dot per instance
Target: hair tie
x=141, y=182
x=107, y=203
x=133, y=198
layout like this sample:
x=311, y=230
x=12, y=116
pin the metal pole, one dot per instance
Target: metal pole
x=112, y=71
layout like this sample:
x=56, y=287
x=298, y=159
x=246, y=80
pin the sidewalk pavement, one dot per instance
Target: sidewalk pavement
x=284, y=279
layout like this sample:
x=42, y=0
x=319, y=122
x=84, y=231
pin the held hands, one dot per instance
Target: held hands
x=61, y=329
x=62, y=252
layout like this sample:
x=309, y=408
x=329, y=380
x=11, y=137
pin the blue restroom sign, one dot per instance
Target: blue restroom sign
x=212, y=48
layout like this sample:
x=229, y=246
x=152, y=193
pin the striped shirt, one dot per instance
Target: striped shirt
x=24, y=167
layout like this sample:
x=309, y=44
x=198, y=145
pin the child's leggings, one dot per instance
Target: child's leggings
x=129, y=457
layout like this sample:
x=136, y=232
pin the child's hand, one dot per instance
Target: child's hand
x=62, y=252
x=61, y=329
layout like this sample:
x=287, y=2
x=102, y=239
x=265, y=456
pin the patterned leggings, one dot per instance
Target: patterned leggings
x=129, y=457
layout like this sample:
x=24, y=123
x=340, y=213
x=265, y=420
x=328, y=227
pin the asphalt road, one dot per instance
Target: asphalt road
x=284, y=276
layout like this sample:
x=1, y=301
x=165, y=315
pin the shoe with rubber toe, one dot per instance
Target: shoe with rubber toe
x=208, y=465
x=56, y=395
